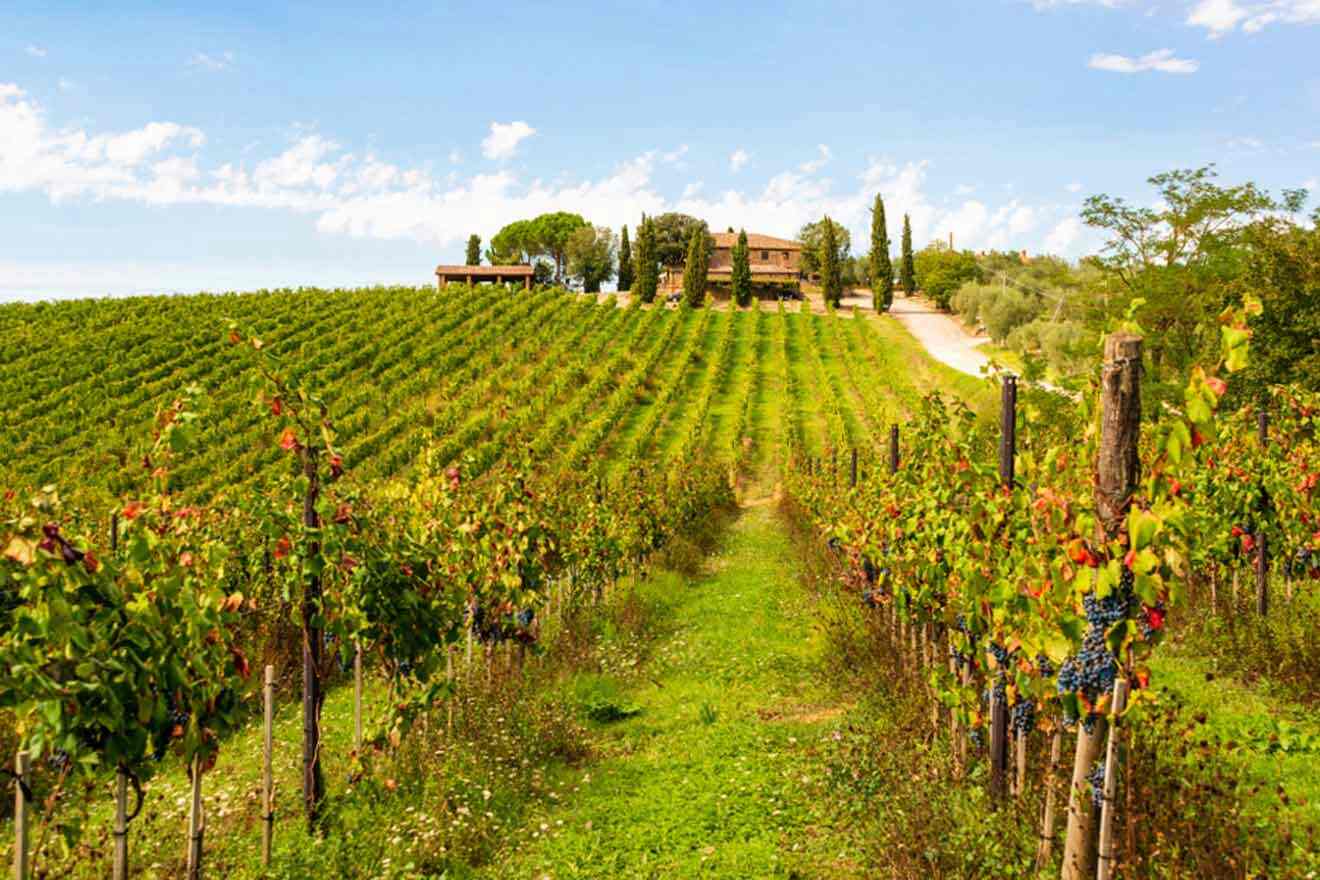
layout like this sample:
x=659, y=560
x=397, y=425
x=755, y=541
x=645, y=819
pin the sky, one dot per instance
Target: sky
x=158, y=147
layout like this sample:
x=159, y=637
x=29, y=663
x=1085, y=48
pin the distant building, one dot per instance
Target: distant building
x=476, y=274
x=771, y=260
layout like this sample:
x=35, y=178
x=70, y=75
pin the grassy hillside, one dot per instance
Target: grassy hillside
x=480, y=372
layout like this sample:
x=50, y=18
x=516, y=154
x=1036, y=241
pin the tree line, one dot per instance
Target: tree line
x=564, y=248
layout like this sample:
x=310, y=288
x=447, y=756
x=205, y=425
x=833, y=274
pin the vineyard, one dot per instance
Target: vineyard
x=420, y=513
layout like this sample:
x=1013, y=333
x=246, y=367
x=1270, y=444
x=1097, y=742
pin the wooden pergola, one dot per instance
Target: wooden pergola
x=474, y=274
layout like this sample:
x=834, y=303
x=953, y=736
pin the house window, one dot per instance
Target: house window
x=765, y=255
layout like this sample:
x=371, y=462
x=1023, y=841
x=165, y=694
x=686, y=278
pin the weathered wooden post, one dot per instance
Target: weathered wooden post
x=196, y=823
x=1262, y=552
x=267, y=771
x=852, y=478
x=1105, y=855
x=22, y=771
x=893, y=449
x=999, y=703
x=313, y=783
x=357, y=700
x=1045, y=851
x=1118, y=471
x=120, y=869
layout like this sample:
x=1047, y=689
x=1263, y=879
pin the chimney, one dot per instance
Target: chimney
x=950, y=239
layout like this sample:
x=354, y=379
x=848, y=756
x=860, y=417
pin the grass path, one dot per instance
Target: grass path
x=710, y=779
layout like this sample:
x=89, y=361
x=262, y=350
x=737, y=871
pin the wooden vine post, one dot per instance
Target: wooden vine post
x=999, y=704
x=22, y=776
x=267, y=772
x=852, y=478
x=893, y=449
x=196, y=823
x=357, y=700
x=313, y=783
x=1118, y=471
x=119, y=869
x=1262, y=554
x=1045, y=852
x=1105, y=854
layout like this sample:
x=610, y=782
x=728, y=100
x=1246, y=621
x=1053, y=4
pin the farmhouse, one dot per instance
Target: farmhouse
x=475, y=274
x=772, y=260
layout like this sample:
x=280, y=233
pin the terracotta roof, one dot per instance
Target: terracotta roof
x=756, y=241
x=483, y=271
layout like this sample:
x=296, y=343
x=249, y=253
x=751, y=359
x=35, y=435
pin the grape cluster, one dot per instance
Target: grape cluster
x=1091, y=671
x=869, y=571
x=871, y=598
x=58, y=760
x=1001, y=654
x=525, y=618
x=1112, y=608
x=1023, y=716
x=1097, y=780
x=1045, y=666
x=1305, y=563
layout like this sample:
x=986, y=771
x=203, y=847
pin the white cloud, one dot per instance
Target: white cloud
x=1221, y=17
x=455, y=156
x=504, y=137
x=823, y=156
x=35, y=51
x=363, y=195
x=1062, y=237
x=223, y=61
x=964, y=189
x=1245, y=143
x=1162, y=60
x=1074, y=187
x=739, y=158
x=674, y=156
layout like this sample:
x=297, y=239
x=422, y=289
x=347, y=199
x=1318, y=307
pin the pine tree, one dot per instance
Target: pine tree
x=907, y=270
x=831, y=278
x=646, y=276
x=625, y=261
x=882, y=268
x=474, y=250
x=741, y=273
x=694, y=270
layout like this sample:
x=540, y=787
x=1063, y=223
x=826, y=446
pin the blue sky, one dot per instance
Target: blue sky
x=255, y=145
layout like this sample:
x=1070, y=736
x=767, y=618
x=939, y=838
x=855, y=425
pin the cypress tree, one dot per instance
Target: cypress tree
x=474, y=250
x=740, y=279
x=907, y=269
x=645, y=274
x=625, y=261
x=882, y=268
x=694, y=270
x=831, y=279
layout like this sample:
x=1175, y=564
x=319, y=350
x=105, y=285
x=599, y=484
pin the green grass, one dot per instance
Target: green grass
x=1270, y=740
x=712, y=777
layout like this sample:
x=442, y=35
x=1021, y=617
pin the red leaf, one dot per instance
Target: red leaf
x=288, y=440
